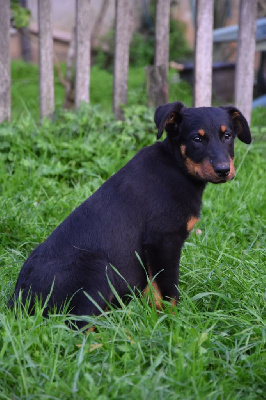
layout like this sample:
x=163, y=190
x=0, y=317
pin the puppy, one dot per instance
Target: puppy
x=147, y=209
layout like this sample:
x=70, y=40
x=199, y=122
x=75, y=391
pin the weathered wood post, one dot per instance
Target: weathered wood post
x=24, y=36
x=4, y=60
x=245, y=57
x=46, y=66
x=162, y=33
x=70, y=77
x=157, y=75
x=203, y=53
x=98, y=23
x=83, y=31
x=122, y=40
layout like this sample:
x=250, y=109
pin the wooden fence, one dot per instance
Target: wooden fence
x=158, y=73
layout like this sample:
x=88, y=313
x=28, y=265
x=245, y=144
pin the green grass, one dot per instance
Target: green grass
x=25, y=90
x=213, y=347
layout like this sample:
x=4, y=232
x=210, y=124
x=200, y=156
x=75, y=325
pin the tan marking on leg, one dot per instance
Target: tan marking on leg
x=156, y=294
x=173, y=303
x=201, y=132
x=90, y=329
x=223, y=128
x=191, y=223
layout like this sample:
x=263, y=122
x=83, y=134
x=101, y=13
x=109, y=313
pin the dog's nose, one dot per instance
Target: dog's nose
x=222, y=169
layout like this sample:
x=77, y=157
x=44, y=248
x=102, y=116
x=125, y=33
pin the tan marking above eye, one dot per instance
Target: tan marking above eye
x=191, y=223
x=223, y=128
x=201, y=132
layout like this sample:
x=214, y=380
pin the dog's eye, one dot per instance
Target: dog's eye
x=227, y=136
x=197, y=139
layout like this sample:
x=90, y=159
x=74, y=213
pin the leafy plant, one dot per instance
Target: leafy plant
x=178, y=46
x=20, y=15
x=142, y=47
x=25, y=89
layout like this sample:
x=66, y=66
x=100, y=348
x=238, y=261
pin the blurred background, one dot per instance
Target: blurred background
x=24, y=52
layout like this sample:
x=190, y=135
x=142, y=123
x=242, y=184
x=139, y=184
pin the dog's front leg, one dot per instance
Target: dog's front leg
x=162, y=263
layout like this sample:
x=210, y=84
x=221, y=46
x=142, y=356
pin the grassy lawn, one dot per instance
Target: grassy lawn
x=213, y=347
x=25, y=90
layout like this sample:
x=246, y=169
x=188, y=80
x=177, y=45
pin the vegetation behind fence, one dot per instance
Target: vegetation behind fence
x=156, y=76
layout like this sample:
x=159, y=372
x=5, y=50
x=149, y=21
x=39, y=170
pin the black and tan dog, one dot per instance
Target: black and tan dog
x=147, y=208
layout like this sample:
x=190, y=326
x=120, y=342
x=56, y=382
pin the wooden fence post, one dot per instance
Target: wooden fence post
x=157, y=85
x=244, y=77
x=122, y=40
x=24, y=37
x=70, y=77
x=162, y=32
x=4, y=60
x=46, y=66
x=98, y=23
x=82, y=82
x=203, y=53
x=157, y=75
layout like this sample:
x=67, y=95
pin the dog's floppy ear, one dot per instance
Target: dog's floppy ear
x=168, y=117
x=240, y=124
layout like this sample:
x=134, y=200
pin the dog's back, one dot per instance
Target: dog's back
x=109, y=228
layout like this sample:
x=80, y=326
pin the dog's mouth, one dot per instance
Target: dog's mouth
x=204, y=171
x=228, y=178
x=216, y=178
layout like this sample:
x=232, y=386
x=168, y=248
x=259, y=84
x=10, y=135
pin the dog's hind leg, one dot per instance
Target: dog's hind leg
x=163, y=266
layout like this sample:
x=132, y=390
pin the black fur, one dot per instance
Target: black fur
x=145, y=208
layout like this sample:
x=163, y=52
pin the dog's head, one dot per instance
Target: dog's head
x=205, y=138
